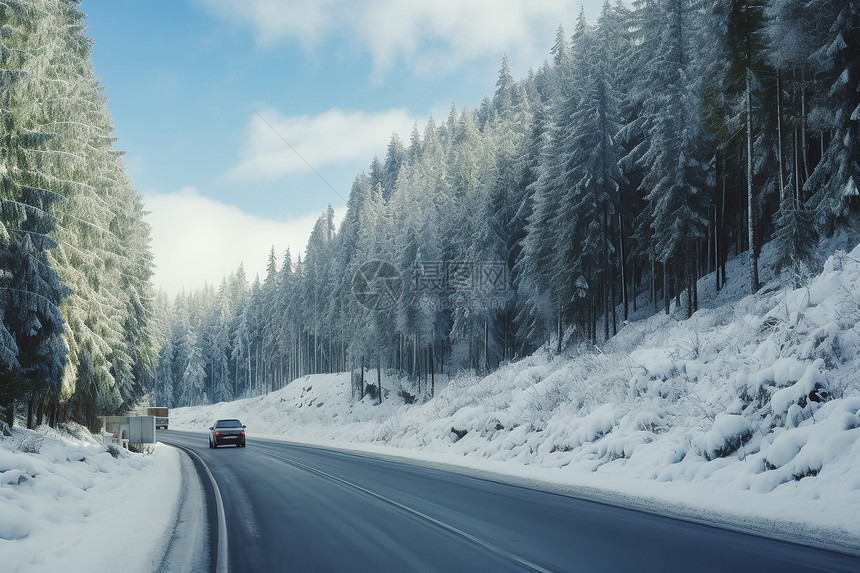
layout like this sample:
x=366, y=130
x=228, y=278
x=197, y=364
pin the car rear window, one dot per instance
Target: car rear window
x=229, y=424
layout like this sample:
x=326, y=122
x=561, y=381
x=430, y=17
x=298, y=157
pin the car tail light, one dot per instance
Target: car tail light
x=243, y=432
x=217, y=434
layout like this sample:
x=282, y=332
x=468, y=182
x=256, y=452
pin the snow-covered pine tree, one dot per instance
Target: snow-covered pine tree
x=531, y=319
x=593, y=178
x=30, y=289
x=506, y=207
x=241, y=349
x=671, y=154
x=192, y=388
x=792, y=33
x=269, y=327
x=102, y=252
x=538, y=267
x=836, y=179
x=222, y=382
x=395, y=155
x=31, y=294
x=162, y=390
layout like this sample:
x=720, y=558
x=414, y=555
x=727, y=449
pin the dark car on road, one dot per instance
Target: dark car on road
x=227, y=432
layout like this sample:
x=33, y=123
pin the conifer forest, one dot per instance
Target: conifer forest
x=77, y=335
x=650, y=148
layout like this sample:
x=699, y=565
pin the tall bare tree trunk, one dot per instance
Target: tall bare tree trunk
x=362, y=377
x=378, y=377
x=803, y=124
x=666, y=286
x=432, y=373
x=622, y=261
x=753, y=256
x=779, y=135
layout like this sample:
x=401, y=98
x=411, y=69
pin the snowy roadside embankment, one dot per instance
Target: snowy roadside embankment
x=68, y=503
x=748, y=413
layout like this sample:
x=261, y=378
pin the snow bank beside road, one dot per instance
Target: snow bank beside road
x=68, y=504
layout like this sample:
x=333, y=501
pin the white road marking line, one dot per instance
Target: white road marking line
x=221, y=555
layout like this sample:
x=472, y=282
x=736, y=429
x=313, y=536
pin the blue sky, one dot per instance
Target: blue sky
x=194, y=85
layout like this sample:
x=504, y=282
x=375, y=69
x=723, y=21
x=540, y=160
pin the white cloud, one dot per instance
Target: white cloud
x=197, y=240
x=335, y=137
x=305, y=21
x=433, y=36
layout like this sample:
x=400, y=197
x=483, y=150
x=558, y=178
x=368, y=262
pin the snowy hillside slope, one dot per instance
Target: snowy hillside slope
x=748, y=413
x=68, y=503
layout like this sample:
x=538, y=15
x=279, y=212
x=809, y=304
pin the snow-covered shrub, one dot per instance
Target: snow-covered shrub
x=826, y=345
x=785, y=447
x=464, y=421
x=492, y=424
x=808, y=386
x=784, y=382
x=728, y=433
x=622, y=446
x=406, y=396
x=794, y=455
x=31, y=444
x=796, y=415
x=544, y=398
x=457, y=434
x=145, y=449
x=116, y=451
x=598, y=423
x=516, y=437
x=77, y=431
x=387, y=430
x=651, y=420
x=850, y=343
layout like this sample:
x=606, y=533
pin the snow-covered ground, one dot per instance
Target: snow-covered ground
x=747, y=414
x=68, y=503
x=709, y=418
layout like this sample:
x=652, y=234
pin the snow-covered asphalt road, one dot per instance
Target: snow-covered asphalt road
x=298, y=508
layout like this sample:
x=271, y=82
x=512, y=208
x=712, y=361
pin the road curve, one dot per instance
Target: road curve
x=298, y=508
